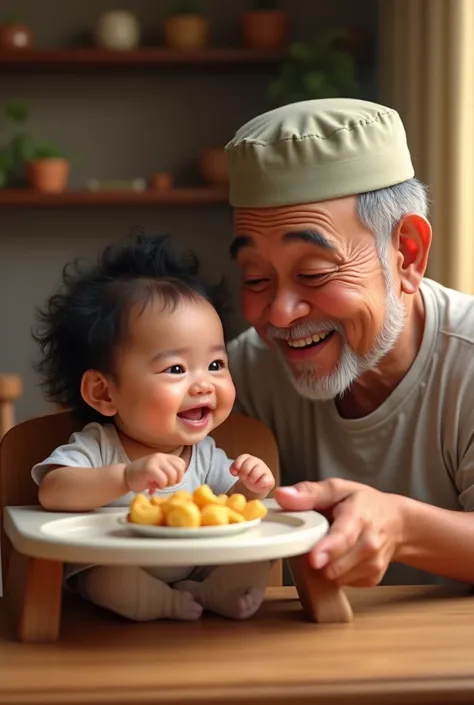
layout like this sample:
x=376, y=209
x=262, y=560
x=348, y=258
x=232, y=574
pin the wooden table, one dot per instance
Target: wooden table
x=406, y=645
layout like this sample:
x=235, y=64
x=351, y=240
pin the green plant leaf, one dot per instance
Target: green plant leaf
x=5, y=160
x=300, y=51
x=45, y=150
x=18, y=112
x=22, y=148
x=185, y=7
x=11, y=19
x=315, y=69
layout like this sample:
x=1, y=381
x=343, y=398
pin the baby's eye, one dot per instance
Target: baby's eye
x=216, y=365
x=175, y=370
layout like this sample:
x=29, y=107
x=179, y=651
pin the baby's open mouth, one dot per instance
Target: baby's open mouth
x=197, y=414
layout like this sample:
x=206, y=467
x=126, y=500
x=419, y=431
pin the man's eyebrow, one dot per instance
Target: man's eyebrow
x=312, y=236
x=238, y=243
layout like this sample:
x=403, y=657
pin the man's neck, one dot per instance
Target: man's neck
x=375, y=386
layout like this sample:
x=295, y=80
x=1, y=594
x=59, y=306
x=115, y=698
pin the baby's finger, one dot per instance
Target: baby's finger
x=160, y=478
x=236, y=466
x=265, y=480
x=254, y=475
x=178, y=463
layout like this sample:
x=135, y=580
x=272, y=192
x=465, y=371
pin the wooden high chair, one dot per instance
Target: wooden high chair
x=33, y=587
x=11, y=389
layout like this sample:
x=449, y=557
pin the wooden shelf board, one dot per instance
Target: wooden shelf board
x=152, y=56
x=176, y=197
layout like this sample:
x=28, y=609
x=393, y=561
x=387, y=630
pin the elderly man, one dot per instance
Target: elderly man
x=363, y=369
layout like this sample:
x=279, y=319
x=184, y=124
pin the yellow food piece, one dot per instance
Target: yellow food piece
x=157, y=500
x=237, y=502
x=234, y=517
x=254, y=509
x=168, y=506
x=204, y=496
x=186, y=514
x=202, y=508
x=214, y=515
x=144, y=512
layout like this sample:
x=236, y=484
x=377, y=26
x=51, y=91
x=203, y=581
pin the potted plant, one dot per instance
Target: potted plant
x=265, y=27
x=23, y=160
x=213, y=166
x=48, y=169
x=161, y=181
x=186, y=28
x=317, y=69
x=14, y=34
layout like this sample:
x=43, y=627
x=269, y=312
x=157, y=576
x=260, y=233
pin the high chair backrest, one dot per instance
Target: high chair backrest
x=31, y=441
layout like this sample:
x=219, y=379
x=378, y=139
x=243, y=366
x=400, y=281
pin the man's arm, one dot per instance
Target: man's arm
x=437, y=540
x=370, y=529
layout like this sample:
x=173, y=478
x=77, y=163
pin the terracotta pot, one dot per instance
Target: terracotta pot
x=117, y=30
x=186, y=32
x=213, y=166
x=264, y=29
x=15, y=36
x=48, y=175
x=161, y=181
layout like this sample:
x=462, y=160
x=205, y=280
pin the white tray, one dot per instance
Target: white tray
x=100, y=538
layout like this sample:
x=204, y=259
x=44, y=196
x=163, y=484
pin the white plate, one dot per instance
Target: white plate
x=202, y=532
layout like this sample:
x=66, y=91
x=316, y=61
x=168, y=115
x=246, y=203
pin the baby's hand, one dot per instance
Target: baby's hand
x=253, y=474
x=154, y=472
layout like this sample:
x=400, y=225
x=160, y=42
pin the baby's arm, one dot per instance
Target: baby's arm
x=80, y=489
x=86, y=473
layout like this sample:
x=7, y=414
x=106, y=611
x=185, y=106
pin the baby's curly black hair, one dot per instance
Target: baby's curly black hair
x=81, y=326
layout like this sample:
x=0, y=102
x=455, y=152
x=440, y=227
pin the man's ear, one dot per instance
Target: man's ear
x=95, y=392
x=413, y=240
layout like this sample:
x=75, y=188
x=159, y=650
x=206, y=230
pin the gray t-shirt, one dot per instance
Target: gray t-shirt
x=418, y=443
x=99, y=445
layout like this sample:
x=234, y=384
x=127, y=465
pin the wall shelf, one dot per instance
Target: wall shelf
x=92, y=58
x=198, y=196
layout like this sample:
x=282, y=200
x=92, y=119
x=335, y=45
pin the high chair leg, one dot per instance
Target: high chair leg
x=323, y=600
x=34, y=596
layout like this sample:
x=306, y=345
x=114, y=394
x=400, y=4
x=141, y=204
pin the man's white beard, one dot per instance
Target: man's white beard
x=351, y=366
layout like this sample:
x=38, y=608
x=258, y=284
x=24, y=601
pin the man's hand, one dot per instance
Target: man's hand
x=254, y=475
x=366, y=532
x=154, y=472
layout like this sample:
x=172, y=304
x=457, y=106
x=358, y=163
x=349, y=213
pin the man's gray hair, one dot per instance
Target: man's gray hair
x=381, y=210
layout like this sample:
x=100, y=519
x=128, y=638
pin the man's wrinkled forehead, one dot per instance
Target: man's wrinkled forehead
x=312, y=225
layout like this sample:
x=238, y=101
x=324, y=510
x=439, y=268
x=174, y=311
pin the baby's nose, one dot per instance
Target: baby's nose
x=201, y=387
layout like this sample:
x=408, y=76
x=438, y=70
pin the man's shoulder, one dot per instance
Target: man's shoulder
x=250, y=355
x=454, y=310
x=248, y=341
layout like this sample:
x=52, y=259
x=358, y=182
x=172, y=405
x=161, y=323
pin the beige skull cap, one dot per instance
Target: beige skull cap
x=317, y=150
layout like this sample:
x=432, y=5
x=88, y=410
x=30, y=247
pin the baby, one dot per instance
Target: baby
x=135, y=347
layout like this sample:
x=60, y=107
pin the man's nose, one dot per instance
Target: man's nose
x=201, y=387
x=286, y=308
